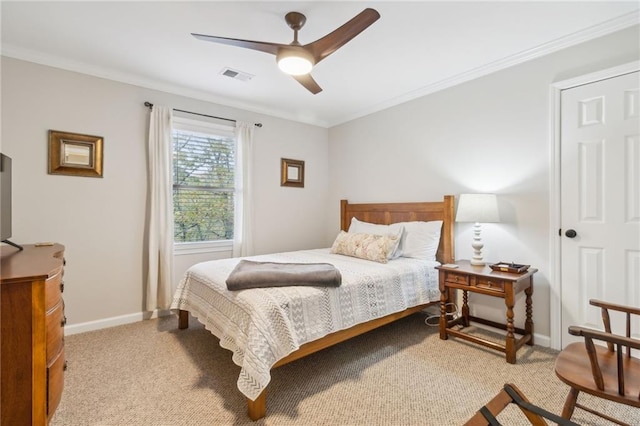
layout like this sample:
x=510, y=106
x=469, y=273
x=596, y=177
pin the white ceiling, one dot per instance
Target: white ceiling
x=415, y=48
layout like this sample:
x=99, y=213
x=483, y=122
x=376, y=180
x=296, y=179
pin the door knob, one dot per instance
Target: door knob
x=571, y=233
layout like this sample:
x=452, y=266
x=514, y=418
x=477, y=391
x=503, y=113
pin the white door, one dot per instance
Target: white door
x=600, y=200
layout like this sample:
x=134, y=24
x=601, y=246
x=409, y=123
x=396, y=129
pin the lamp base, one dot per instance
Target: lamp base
x=477, y=245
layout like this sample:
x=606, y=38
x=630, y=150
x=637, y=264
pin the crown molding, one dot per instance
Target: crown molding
x=593, y=32
x=599, y=30
x=15, y=52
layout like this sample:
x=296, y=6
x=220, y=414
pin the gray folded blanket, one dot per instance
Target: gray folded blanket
x=250, y=274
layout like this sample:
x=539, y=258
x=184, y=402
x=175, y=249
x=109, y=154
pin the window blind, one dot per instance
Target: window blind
x=203, y=185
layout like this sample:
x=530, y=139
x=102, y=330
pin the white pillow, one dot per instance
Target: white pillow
x=421, y=239
x=394, y=230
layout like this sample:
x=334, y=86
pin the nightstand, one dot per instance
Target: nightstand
x=484, y=280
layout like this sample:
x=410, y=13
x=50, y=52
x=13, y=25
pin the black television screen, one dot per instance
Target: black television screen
x=5, y=201
x=5, y=197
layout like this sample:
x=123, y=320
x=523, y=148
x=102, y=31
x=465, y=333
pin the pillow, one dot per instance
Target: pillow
x=421, y=239
x=364, y=246
x=359, y=227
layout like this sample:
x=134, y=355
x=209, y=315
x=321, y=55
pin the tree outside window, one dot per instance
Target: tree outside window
x=203, y=185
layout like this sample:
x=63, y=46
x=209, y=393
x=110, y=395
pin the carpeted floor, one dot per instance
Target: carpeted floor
x=151, y=373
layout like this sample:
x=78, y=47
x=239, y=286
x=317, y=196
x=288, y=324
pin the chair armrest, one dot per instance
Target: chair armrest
x=615, y=307
x=607, y=337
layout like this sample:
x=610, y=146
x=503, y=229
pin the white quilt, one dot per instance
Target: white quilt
x=261, y=326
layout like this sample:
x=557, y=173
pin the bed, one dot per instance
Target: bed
x=268, y=327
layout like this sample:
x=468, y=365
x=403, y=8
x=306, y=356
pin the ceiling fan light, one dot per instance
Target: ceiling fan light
x=295, y=65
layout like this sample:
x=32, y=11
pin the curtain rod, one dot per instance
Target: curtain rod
x=150, y=105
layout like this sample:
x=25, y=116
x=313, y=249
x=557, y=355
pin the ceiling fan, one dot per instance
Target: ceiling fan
x=296, y=59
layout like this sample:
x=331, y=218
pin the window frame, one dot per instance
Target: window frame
x=201, y=126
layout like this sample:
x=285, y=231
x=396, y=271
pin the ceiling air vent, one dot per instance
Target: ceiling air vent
x=236, y=74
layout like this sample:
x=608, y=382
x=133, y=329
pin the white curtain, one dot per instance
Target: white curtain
x=243, y=232
x=159, y=287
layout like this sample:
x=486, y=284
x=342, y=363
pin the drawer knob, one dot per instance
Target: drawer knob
x=62, y=287
x=63, y=322
x=65, y=366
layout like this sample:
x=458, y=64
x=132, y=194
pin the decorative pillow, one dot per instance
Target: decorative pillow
x=359, y=227
x=421, y=239
x=364, y=246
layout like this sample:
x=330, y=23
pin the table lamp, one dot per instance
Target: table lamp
x=477, y=208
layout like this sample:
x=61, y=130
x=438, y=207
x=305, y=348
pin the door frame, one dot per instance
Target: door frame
x=555, y=261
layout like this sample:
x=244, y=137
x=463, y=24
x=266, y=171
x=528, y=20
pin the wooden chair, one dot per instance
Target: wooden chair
x=510, y=394
x=603, y=371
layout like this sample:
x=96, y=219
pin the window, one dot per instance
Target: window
x=204, y=162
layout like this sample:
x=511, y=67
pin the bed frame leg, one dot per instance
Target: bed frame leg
x=257, y=409
x=183, y=319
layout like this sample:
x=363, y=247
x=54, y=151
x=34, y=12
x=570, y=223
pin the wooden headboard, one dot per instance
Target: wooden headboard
x=387, y=213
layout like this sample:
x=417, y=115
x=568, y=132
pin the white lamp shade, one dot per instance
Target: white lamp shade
x=480, y=208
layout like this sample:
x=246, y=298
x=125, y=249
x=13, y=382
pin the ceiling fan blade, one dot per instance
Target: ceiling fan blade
x=308, y=82
x=262, y=46
x=328, y=44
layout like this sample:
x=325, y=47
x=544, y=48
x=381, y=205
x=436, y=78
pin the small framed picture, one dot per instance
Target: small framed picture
x=292, y=173
x=75, y=154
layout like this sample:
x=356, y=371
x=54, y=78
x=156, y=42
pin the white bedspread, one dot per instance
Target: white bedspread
x=261, y=326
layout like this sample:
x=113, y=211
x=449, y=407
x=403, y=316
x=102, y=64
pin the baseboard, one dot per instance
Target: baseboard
x=542, y=340
x=539, y=339
x=113, y=321
x=84, y=327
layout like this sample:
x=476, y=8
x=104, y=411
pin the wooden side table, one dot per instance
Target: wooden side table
x=484, y=280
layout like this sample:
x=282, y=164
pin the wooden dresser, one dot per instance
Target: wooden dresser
x=31, y=334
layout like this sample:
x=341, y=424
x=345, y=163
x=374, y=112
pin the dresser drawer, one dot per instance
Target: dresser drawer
x=55, y=382
x=53, y=291
x=55, y=330
x=490, y=284
x=454, y=278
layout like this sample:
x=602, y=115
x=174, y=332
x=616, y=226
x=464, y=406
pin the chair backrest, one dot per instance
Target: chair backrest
x=615, y=343
x=606, y=319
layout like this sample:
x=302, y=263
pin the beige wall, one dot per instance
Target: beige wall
x=101, y=221
x=491, y=134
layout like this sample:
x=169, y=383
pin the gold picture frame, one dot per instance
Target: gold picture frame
x=75, y=154
x=291, y=173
